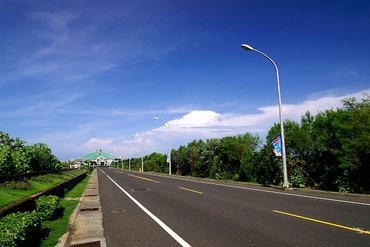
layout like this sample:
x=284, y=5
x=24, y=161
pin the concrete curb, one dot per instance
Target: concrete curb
x=63, y=239
x=86, y=222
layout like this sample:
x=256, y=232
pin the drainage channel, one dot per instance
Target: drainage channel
x=88, y=244
x=89, y=209
x=91, y=195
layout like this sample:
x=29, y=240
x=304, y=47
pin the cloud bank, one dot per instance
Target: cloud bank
x=205, y=124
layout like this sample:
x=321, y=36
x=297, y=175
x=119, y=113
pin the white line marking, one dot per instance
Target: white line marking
x=173, y=234
x=267, y=191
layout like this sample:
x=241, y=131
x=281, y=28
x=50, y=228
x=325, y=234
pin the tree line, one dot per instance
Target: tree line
x=329, y=151
x=16, y=157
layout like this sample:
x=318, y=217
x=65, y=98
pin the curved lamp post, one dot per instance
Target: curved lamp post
x=285, y=173
x=169, y=143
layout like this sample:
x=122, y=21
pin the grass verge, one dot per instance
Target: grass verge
x=38, y=184
x=54, y=229
x=79, y=189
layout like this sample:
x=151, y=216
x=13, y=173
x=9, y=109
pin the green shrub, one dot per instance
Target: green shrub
x=297, y=178
x=16, y=185
x=46, y=206
x=86, y=168
x=20, y=229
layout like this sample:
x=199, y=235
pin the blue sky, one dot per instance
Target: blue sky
x=82, y=75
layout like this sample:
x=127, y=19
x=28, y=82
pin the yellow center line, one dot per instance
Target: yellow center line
x=323, y=222
x=147, y=179
x=195, y=191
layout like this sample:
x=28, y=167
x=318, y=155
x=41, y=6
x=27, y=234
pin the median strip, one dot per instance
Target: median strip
x=194, y=191
x=358, y=230
x=143, y=178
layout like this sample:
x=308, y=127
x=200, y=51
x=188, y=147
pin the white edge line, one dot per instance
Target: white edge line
x=173, y=234
x=267, y=191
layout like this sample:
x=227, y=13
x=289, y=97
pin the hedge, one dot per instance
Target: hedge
x=24, y=228
x=19, y=229
x=46, y=206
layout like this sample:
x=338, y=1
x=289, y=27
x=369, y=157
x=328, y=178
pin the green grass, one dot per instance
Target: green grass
x=78, y=190
x=56, y=228
x=38, y=184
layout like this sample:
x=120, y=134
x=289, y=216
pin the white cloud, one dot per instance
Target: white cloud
x=141, y=144
x=194, y=125
x=107, y=145
x=197, y=119
x=204, y=124
x=96, y=142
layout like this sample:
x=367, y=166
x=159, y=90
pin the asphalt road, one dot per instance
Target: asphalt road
x=143, y=209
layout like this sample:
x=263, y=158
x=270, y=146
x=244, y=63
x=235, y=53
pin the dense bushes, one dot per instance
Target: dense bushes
x=24, y=228
x=47, y=206
x=328, y=151
x=332, y=149
x=17, y=157
x=20, y=229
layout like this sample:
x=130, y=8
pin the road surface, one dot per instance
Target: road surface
x=144, y=209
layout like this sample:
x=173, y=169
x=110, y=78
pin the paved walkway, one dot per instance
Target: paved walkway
x=86, y=223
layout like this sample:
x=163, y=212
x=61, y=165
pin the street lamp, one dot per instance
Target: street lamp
x=285, y=173
x=169, y=144
x=142, y=154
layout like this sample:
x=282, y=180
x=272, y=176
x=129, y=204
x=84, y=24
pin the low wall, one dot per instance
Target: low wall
x=28, y=204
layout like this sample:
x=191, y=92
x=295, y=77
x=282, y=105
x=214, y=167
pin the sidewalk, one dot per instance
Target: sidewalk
x=86, y=223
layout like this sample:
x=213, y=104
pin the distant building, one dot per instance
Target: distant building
x=98, y=157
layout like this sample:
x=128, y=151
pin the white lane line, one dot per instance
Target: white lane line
x=173, y=234
x=268, y=191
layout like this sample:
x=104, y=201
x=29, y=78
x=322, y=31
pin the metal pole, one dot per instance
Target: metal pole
x=142, y=162
x=169, y=149
x=142, y=153
x=129, y=164
x=285, y=172
x=169, y=144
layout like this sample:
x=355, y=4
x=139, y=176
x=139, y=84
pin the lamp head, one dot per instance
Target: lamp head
x=156, y=118
x=246, y=47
